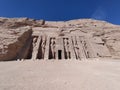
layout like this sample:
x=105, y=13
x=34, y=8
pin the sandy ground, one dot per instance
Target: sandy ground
x=60, y=75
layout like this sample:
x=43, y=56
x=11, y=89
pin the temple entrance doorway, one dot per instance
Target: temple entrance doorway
x=59, y=54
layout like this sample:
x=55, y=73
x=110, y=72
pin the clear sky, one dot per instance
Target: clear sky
x=62, y=10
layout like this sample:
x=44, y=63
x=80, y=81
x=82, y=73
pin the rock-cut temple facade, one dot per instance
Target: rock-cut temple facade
x=54, y=44
x=23, y=38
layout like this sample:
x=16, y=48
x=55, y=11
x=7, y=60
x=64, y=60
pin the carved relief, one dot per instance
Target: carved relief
x=80, y=46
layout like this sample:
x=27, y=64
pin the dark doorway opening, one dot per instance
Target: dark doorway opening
x=59, y=54
x=29, y=55
x=50, y=53
x=39, y=55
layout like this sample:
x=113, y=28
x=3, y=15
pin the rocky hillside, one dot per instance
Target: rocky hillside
x=16, y=33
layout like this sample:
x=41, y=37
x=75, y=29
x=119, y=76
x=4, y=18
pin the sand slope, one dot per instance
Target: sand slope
x=60, y=75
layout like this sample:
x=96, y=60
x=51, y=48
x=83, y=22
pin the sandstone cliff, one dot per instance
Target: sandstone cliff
x=12, y=40
x=16, y=34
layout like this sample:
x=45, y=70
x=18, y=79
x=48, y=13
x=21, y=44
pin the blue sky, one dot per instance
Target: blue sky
x=62, y=10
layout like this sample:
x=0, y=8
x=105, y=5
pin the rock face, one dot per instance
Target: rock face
x=23, y=38
x=12, y=40
x=14, y=35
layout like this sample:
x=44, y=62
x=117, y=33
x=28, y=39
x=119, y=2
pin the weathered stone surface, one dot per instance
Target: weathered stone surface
x=20, y=22
x=12, y=41
x=82, y=38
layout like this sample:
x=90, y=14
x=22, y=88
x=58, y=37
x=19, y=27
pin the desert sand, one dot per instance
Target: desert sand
x=60, y=75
